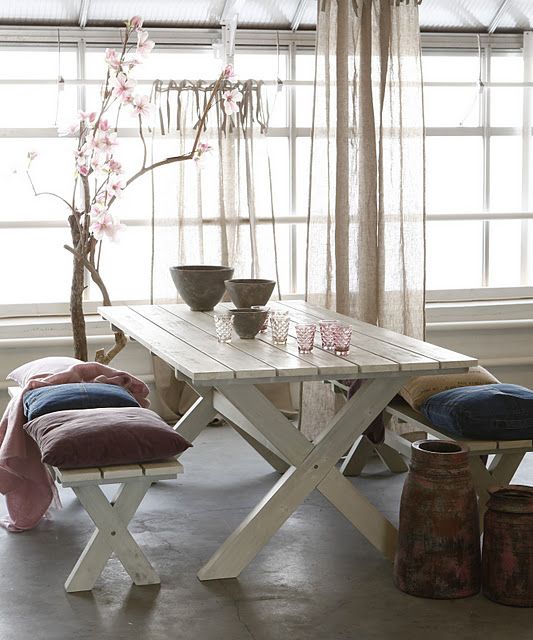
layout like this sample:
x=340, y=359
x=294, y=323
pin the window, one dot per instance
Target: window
x=478, y=171
x=33, y=230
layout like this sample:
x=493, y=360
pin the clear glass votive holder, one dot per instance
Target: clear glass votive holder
x=279, y=323
x=264, y=326
x=223, y=326
x=327, y=334
x=305, y=337
x=343, y=336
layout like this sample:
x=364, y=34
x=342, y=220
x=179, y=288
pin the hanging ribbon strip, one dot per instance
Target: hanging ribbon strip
x=253, y=107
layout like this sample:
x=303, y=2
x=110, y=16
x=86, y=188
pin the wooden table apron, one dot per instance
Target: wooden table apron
x=305, y=465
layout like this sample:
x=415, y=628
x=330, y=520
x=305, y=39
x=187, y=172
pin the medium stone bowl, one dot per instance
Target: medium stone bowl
x=201, y=286
x=247, y=322
x=250, y=292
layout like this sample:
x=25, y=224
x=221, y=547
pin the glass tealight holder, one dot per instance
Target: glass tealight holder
x=305, y=337
x=264, y=326
x=343, y=337
x=223, y=326
x=327, y=334
x=279, y=323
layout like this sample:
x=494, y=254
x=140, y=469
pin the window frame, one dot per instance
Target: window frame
x=87, y=40
x=459, y=44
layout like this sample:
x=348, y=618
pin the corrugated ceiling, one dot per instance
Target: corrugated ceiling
x=435, y=15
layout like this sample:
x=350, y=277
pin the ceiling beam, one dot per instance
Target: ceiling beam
x=84, y=13
x=299, y=14
x=495, y=22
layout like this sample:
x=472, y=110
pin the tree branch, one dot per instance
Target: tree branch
x=48, y=193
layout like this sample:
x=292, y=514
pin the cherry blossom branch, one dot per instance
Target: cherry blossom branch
x=95, y=276
x=48, y=193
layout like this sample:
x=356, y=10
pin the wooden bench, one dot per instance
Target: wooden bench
x=508, y=454
x=111, y=517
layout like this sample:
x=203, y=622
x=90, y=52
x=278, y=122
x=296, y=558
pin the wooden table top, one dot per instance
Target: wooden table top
x=186, y=340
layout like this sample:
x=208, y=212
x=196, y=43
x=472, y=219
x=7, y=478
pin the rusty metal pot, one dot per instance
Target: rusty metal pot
x=508, y=546
x=438, y=553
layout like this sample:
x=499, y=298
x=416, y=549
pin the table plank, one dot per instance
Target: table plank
x=448, y=359
x=244, y=365
x=285, y=364
x=406, y=360
x=178, y=354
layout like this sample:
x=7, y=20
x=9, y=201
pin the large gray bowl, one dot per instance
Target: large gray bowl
x=247, y=322
x=201, y=286
x=250, y=292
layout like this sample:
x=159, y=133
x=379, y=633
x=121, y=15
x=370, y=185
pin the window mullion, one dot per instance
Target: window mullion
x=485, y=122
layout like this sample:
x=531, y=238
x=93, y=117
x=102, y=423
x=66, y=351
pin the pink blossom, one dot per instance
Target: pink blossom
x=98, y=209
x=83, y=170
x=106, y=226
x=123, y=86
x=142, y=106
x=69, y=130
x=87, y=116
x=228, y=72
x=97, y=164
x=114, y=166
x=135, y=23
x=201, y=150
x=230, y=100
x=115, y=188
x=144, y=46
x=112, y=58
x=103, y=125
x=131, y=60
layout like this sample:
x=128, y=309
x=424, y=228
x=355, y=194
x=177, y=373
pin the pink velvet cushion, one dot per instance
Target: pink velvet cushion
x=100, y=437
x=42, y=367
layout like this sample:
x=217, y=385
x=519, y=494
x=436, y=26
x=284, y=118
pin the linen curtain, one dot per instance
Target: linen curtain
x=220, y=210
x=217, y=211
x=365, y=253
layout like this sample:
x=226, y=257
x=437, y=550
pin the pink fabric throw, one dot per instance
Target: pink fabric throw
x=24, y=480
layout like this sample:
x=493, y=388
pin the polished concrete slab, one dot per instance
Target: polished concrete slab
x=318, y=579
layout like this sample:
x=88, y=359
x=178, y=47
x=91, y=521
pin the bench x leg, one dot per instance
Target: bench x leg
x=111, y=535
x=500, y=472
x=313, y=466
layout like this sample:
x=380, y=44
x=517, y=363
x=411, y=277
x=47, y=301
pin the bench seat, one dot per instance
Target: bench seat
x=111, y=517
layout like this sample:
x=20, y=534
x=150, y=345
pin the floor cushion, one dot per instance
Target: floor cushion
x=486, y=412
x=41, y=367
x=418, y=389
x=100, y=437
x=78, y=395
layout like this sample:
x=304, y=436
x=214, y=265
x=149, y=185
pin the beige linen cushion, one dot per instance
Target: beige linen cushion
x=419, y=389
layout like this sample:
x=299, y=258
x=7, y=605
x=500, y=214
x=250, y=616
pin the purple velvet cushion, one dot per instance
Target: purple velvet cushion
x=100, y=437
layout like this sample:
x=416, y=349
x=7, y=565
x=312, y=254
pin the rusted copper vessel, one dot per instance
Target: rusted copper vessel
x=508, y=546
x=438, y=554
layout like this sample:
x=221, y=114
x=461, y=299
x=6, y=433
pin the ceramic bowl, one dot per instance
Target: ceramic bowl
x=247, y=322
x=250, y=292
x=201, y=286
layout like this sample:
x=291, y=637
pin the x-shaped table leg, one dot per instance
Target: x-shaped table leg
x=313, y=467
x=111, y=535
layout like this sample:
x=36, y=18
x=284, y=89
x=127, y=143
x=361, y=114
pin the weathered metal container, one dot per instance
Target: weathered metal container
x=438, y=553
x=508, y=546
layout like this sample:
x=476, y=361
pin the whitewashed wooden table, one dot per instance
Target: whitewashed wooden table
x=225, y=377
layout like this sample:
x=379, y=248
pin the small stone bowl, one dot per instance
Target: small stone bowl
x=247, y=322
x=201, y=286
x=250, y=292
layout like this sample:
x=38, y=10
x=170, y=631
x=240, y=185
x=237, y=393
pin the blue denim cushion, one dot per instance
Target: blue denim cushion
x=79, y=395
x=486, y=412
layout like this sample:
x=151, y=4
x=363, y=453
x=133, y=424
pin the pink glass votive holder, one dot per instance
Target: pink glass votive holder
x=305, y=337
x=279, y=323
x=223, y=326
x=264, y=326
x=327, y=334
x=343, y=337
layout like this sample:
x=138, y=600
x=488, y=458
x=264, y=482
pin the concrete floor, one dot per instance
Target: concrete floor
x=318, y=579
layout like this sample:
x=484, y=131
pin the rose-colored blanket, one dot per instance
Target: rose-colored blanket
x=24, y=480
